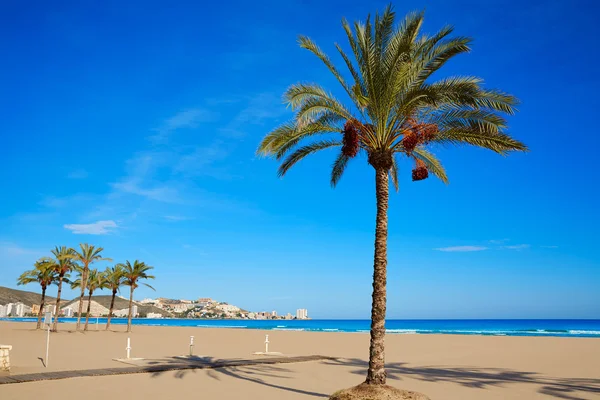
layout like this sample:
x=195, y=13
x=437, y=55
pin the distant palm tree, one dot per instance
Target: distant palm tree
x=62, y=264
x=132, y=274
x=87, y=255
x=96, y=281
x=45, y=275
x=394, y=111
x=114, y=280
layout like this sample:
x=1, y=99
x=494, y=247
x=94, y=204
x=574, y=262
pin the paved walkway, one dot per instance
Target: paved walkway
x=161, y=365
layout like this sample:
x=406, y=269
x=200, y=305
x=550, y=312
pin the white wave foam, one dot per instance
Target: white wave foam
x=222, y=326
x=584, y=332
x=289, y=329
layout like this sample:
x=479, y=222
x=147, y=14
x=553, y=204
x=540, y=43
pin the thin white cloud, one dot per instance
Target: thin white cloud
x=176, y=218
x=9, y=249
x=96, y=228
x=163, y=193
x=517, y=247
x=498, y=241
x=259, y=109
x=461, y=248
x=190, y=118
x=78, y=174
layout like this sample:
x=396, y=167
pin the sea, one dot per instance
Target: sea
x=488, y=327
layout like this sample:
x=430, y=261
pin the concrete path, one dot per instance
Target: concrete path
x=159, y=365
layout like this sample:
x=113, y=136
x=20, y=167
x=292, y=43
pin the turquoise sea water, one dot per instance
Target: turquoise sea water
x=495, y=327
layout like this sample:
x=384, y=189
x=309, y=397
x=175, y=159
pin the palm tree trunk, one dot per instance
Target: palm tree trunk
x=83, y=286
x=110, y=311
x=42, y=302
x=87, y=314
x=376, y=374
x=57, y=311
x=130, y=306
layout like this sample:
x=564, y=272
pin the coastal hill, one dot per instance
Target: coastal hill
x=102, y=303
x=8, y=295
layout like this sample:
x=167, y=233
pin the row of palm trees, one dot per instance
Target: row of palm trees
x=65, y=261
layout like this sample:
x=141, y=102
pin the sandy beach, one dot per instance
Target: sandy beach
x=441, y=366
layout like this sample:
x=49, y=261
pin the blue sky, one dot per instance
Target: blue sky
x=133, y=126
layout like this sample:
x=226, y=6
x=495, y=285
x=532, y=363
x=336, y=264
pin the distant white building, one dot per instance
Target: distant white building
x=301, y=313
x=10, y=309
x=20, y=310
x=154, y=315
x=3, y=312
x=228, y=308
x=148, y=301
x=274, y=314
x=68, y=312
x=134, y=311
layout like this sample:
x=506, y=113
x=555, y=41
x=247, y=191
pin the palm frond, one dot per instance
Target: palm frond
x=304, y=151
x=432, y=163
x=338, y=168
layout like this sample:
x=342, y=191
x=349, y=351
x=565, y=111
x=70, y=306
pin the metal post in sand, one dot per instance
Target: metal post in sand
x=191, y=346
x=128, y=348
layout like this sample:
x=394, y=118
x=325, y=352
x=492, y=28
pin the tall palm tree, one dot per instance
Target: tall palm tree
x=133, y=274
x=44, y=275
x=95, y=281
x=87, y=255
x=394, y=111
x=62, y=264
x=114, y=280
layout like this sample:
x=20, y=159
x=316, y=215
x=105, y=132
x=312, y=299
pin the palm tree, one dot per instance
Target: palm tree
x=132, y=274
x=394, y=112
x=62, y=264
x=45, y=275
x=95, y=281
x=114, y=280
x=87, y=255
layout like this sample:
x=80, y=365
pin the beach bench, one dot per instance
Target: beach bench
x=4, y=357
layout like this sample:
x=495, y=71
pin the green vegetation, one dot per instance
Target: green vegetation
x=392, y=112
x=44, y=275
x=114, y=280
x=65, y=260
x=86, y=256
x=132, y=275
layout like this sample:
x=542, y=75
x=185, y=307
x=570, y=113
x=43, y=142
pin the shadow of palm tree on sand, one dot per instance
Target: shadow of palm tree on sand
x=482, y=378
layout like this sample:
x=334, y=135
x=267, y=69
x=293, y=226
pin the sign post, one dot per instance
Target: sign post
x=128, y=348
x=191, y=346
x=48, y=322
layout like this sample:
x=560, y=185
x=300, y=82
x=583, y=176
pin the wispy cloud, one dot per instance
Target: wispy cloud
x=498, y=241
x=96, y=228
x=78, y=174
x=163, y=193
x=461, y=248
x=190, y=118
x=9, y=249
x=176, y=218
x=517, y=247
x=258, y=110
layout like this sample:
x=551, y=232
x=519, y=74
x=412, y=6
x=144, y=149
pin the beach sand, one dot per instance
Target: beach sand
x=441, y=366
